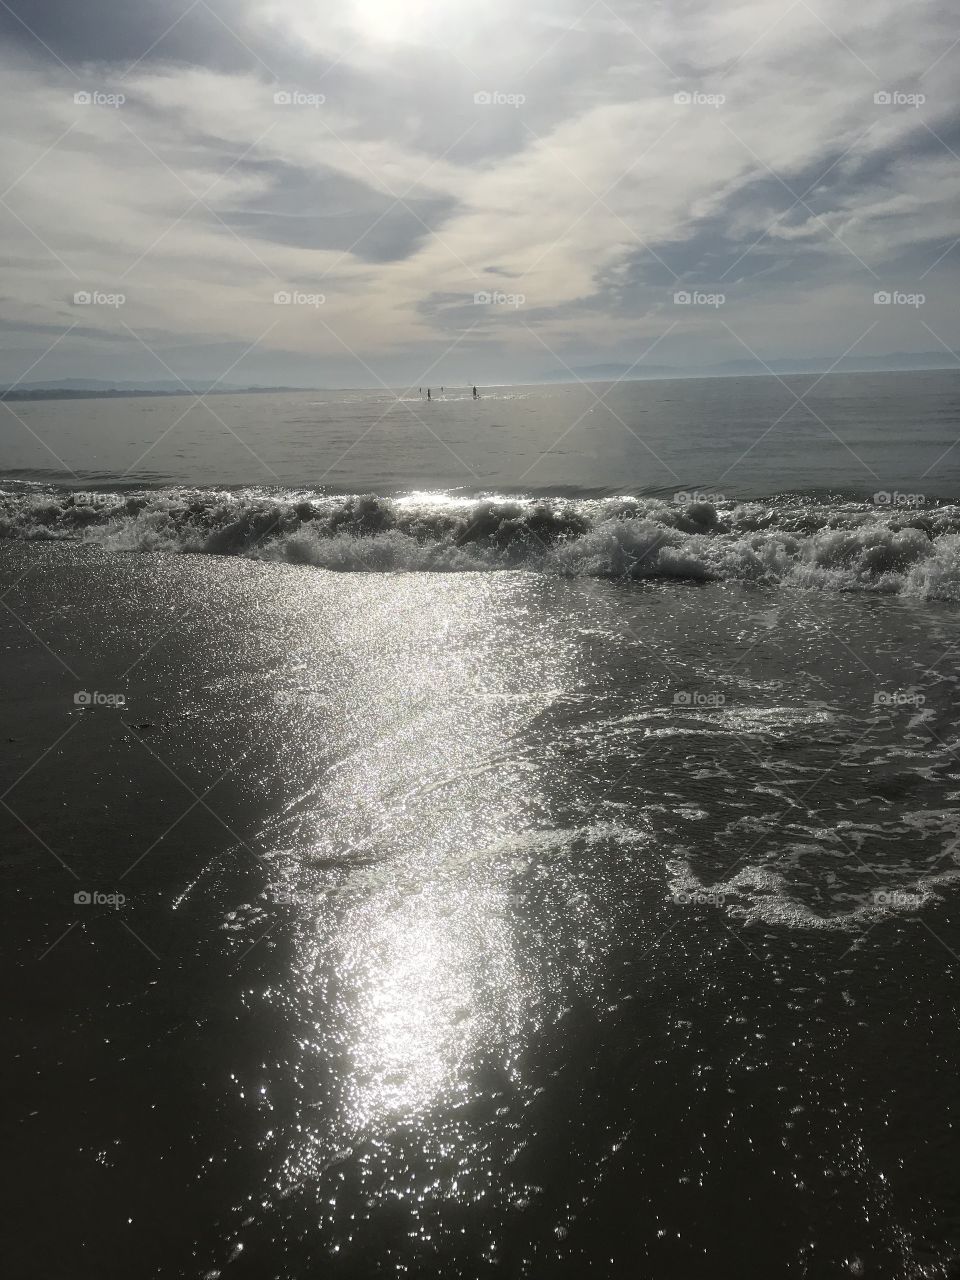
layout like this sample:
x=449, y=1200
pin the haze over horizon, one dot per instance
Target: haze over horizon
x=384, y=194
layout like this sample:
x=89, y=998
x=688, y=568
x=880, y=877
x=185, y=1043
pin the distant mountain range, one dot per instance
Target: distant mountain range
x=96, y=388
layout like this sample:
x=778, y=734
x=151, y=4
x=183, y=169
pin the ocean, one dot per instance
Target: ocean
x=514, y=837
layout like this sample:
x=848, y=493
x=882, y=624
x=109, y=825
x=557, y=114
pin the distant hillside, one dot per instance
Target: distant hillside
x=93, y=389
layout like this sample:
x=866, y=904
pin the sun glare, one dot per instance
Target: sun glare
x=398, y=21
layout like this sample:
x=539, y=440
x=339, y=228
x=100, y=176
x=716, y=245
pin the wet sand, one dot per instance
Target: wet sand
x=434, y=958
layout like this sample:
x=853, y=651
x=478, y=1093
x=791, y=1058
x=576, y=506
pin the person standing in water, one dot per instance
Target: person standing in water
x=428, y=393
x=476, y=394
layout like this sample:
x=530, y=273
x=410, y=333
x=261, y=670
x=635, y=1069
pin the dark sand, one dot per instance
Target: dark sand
x=411, y=987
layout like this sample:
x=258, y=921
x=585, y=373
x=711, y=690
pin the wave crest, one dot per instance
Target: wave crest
x=828, y=545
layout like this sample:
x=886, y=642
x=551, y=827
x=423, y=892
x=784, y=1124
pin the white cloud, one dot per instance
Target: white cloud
x=400, y=191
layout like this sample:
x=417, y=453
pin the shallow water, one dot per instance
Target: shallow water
x=508, y=923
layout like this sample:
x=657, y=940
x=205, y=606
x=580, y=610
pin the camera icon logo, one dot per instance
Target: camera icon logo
x=882, y=98
x=483, y=98
x=82, y=298
x=83, y=98
x=282, y=298
x=881, y=298
x=82, y=698
x=683, y=98
x=682, y=298
x=682, y=699
x=282, y=98
x=82, y=898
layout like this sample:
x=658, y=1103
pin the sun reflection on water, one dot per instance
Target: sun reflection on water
x=405, y=855
x=439, y=979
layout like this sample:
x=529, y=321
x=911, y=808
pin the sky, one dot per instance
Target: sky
x=294, y=193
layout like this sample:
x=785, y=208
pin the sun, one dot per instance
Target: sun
x=406, y=21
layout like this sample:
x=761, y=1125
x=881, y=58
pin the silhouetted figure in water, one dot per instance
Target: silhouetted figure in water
x=428, y=393
x=476, y=394
x=420, y=392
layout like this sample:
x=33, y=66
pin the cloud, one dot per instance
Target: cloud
x=592, y=161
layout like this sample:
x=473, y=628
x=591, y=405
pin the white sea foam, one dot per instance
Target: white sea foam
x=759, y=894
x=829, y=546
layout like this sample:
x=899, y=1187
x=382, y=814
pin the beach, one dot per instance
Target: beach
x=479, y=635
x=476, y=920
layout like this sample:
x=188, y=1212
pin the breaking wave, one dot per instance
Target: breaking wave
x=836, y=545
